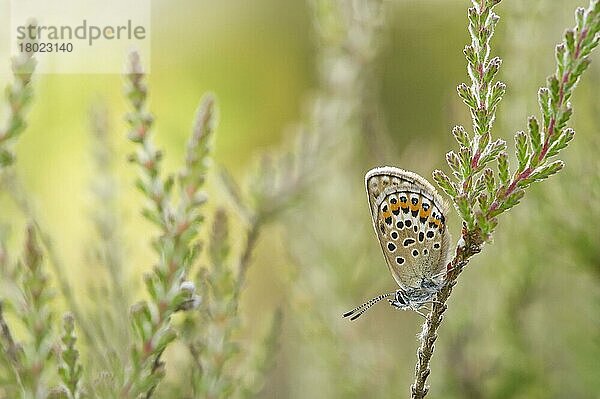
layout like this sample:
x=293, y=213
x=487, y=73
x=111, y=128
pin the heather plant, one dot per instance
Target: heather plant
x=48, y=364
x=189, y=334
x=343, y=109
x=478, y=197
x=18, y=95
x=167, y=286
x=209, y=328
x=209, y=334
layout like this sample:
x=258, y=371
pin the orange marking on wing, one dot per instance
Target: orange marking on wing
x=424, y=213
x=415, y=207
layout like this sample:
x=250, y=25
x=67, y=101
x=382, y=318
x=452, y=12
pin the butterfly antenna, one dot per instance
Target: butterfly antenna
x=359, y=310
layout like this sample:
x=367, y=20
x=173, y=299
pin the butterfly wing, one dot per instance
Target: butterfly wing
x=409, y=218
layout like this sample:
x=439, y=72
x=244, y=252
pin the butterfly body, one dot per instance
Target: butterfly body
x=409, y=218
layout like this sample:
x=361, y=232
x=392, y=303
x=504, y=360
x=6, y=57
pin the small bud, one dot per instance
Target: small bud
x=187, y=286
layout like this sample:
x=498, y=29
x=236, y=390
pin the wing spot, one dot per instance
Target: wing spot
x=430, y=234
x=421, y=236
x=408, y=223
x=394, y=235
x=400, y=224
x=391, y=246
x=415, y=253
x=408, y=241
x=436, y=245
x=399, y=260
x=416, y=228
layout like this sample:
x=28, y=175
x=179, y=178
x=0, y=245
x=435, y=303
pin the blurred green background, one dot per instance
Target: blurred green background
x=524, y=321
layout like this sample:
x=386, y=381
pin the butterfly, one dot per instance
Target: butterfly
x=409, y=217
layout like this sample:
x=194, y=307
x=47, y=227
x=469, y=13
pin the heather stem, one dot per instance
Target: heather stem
x=472, y=243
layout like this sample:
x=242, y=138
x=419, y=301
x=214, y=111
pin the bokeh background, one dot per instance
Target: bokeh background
x=524, y=321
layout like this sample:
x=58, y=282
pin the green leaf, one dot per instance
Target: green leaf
x=570, y=41
x=496, y=94
x=461, y=136
x=483, y=202
x=543, y=172
x=150, y=283
x=444, y=182
x=535, y=135
x=544, y=102
x=579, y=18
x=466, y=156
x=563, y=141
x=554, y=86
x=464, y=209
x=503, y=168
x=6, y=158
x=512, y=200
x=152, y=216
x=580, y=69
x=464, y=92
x=492, y=150
x=490, y=182
x=479, y=185
x=454, y=162
x=521, y=150
x=561, y=59
x=492, y=69
x=470, y=55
